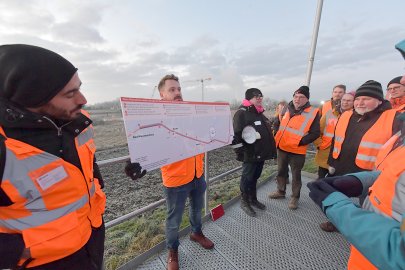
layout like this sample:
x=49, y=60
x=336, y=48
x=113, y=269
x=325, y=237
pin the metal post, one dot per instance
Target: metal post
x=206, y=174
x=206, y=198
x=314, y=40
x=202, y=89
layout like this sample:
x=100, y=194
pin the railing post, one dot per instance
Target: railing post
x=206, y=200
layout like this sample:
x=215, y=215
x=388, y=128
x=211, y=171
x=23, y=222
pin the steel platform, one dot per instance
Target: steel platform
x=277, y=238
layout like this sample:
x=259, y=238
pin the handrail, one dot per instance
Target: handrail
x=156, y=204
x=153, y=205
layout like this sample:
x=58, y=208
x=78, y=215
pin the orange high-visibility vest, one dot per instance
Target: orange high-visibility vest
x=371, y=142
x=182, y=172
x=293, y=129
x=385, y=196
x=55, y=204
x=328, y=131
x=327, y=106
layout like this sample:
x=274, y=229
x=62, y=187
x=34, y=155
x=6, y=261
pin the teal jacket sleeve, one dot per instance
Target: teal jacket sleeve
x=377, y=237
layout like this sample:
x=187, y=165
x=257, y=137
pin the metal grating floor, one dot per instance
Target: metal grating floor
x=277, y=238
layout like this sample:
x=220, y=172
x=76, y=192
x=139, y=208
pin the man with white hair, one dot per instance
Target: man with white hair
x=359, y=134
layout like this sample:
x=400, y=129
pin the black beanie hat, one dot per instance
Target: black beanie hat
x=395, y=80
x=302, y=90
x=252, y=92
x=31, y=76
x=370, y=89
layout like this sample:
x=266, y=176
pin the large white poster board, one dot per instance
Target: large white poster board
x=162, y=132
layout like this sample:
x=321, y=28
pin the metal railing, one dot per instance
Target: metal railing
x=156, y=204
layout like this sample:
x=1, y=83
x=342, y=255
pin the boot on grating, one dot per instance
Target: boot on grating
x=254, y=202
x=245, y=205
x=173, y=259
x=293, y=204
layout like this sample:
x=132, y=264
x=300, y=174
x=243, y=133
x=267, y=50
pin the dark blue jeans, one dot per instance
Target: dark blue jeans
x=251, y=171
x=176, y=201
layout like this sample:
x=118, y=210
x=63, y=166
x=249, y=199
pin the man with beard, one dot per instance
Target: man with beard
x=50, y=194
x=181, y=180
x=330, y=112
x=377, y=230
x=359, y=134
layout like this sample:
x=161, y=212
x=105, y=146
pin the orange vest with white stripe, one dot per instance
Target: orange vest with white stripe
x=371, y=142
x=328, y=131
x=292, y=129
x=386, y=195
x=327, y=106
x=55, y=204
x=182, y=172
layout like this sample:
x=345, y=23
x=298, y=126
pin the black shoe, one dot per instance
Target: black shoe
x=246, y=207
x=258, y=204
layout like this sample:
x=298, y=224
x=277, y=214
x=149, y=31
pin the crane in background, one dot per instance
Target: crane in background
x=153, y=91
x=202, y=80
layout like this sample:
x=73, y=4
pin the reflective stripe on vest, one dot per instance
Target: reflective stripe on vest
x=386, y=197
x=327, y=106
x=55, y=204
x=293, y=129
x=373, y=139
x=27, y=189
x=385, y=150
x=328, y=131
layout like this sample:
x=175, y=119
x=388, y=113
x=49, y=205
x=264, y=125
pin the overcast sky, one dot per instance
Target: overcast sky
x=123, y=48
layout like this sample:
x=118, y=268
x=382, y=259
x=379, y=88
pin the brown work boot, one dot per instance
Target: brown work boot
x=328, y=227
x=293, y=204
x=173, y=260
x=202, y=240
x=277, y=195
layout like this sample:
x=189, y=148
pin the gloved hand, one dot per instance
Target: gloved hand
x=134, y=170
x=319, y=190
x=331, y=170
x=349, y=185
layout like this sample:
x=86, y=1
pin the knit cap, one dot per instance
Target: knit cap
x=302, y=90
x=252, y=92
x=370, y=89
x=30, y=76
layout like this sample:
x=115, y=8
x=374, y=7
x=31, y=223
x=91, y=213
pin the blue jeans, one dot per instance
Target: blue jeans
x=176, y=201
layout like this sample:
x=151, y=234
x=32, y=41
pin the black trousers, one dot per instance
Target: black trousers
x=251, y=171
x=89, y=257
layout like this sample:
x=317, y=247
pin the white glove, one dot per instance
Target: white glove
x=331, y=170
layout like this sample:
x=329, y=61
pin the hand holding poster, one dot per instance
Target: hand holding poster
x=162, y=132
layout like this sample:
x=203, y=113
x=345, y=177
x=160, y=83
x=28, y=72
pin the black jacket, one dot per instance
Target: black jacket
x=357, y=127
x=44, y=134
x=263, y=148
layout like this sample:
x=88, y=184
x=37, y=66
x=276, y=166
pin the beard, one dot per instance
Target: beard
x=61, y=113
x=363, y=111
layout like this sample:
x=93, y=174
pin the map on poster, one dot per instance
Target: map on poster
x=162, y=132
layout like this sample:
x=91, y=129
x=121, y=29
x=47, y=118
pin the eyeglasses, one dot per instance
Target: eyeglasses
x=394, y=88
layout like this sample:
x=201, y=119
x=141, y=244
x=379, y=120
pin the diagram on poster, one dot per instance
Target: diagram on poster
x=162, y=132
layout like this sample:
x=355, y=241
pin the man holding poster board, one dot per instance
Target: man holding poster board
x=182, y=179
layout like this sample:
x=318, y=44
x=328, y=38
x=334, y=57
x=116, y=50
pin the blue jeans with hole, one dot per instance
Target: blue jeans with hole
x=176, y=201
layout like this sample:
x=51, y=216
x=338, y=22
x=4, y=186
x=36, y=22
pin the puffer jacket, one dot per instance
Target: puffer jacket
x=263, y=148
